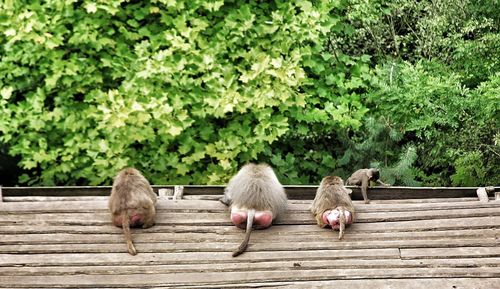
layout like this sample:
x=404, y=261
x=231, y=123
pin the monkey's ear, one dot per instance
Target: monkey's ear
x=349, y=191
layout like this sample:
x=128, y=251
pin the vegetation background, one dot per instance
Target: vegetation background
x=188, y=91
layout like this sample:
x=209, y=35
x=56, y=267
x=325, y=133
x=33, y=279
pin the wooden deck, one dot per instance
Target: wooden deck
x=68, y=242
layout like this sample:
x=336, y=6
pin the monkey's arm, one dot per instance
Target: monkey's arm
x=382, y=183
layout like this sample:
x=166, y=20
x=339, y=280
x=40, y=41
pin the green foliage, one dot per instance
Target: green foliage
x=402, y=172
x=183, y=90
x=188, y=91
x=452, y=127
x=469, y=169
x=464, y=34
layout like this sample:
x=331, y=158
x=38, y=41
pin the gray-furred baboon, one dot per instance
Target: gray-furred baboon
x=362, y=178
x=332, y=204
x=132, y=203
x=256, y=198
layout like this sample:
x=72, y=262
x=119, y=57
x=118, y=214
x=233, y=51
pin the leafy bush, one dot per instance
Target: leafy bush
x=184, y=90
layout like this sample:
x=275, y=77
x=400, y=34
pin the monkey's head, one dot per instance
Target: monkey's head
x=332, y=180
x=375, y=174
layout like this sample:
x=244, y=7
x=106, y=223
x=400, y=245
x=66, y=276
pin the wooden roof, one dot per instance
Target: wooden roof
x=67, y=241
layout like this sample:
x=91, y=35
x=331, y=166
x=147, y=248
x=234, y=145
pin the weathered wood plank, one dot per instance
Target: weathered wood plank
x=183, y=258
x=18, y=233
x=115, y=244
x=81, y=280
x=236, y=266
x=215, y=206
x=455, y=283
x=464, y=252
x=222, y=218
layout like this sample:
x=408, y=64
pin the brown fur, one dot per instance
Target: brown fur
x=332, y=194
x=362, y=178
x=255, y=188
x=132, y=195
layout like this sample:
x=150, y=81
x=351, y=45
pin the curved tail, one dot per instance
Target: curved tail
x=126, y=232
x=342, y=222
x=244, y=244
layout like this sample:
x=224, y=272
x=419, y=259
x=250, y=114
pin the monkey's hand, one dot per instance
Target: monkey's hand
x=332, y=217
x=225, y=200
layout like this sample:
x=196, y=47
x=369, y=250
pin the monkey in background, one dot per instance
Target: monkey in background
x=332, y=204
x=132, y=203
x=362, y=178
x=256, y=198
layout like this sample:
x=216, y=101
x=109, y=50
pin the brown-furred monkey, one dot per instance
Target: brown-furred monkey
x=362, y=178
x=332, y=204
x=132, y=203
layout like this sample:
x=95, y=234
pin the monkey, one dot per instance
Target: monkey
x=362, y=178
x=132, y=203
x=332, y=204
x=256, y=197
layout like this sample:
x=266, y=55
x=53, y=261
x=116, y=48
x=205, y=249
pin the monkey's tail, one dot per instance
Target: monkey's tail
x=244, y=244
x=342, y=223
x=126, y=232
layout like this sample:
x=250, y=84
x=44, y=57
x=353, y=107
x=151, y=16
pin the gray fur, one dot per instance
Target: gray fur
x=256, y=187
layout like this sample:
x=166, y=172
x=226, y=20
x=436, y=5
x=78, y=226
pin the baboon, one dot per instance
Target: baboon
x=332, y=204
x=362, y=178
x=132, y=203
x=256, y=198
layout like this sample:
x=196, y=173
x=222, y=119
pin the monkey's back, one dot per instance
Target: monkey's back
x=331, y=194
x=131, y=190
x=356, y=177
x=257, y=187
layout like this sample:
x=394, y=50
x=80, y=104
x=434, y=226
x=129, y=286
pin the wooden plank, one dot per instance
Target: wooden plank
x=222, y=219
x=81, y=280
x=183, y=258
x=19, y=233
x=383, y=227
x=273, y=234
x=41, y=200
x=215, y=206
x=116, y=244
x=236, y=266
x=455, y=283
x=466, y=252
x=201, y=227
x=425, y=225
